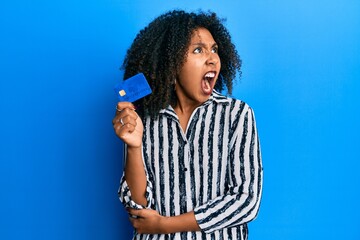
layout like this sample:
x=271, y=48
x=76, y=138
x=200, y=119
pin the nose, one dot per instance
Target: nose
x=212, y=58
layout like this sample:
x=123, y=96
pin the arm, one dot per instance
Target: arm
x=151, y=222
x=129, y=128
x=239, y=205
x=241, y=202
x=135, y=175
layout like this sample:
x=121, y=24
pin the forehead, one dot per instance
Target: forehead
x=202, y=35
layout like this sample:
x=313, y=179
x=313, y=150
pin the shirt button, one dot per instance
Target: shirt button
x=185, y=169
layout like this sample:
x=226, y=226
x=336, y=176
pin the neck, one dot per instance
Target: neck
x=185, y=107
x=183, y=111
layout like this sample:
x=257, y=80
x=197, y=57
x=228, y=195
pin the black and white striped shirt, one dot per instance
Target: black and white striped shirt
x=213, y=169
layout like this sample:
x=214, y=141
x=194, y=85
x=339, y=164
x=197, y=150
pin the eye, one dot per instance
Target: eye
x=215, y=50
x=197, y=50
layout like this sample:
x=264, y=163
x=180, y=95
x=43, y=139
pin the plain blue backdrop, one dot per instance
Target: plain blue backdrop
x=61, y=162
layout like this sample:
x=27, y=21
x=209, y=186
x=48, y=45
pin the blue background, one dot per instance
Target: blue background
x=61, y=162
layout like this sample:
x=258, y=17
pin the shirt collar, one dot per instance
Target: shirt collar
x=215, y=97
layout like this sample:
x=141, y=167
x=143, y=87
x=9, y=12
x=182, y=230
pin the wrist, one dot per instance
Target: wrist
x=134, y=151
x=165, y=226
x=185, y=222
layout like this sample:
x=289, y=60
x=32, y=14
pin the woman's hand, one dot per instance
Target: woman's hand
x=147, y=221
x=128, y=125
x=151, y=222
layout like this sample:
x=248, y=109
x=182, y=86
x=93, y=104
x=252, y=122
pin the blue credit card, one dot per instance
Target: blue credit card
x=132, y=89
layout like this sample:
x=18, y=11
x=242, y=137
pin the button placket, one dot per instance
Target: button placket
x=187, y=153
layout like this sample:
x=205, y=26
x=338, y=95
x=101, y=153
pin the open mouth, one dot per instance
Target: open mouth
x=208, y=82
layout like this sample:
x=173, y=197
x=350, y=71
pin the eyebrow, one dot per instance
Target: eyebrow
x=203, y=44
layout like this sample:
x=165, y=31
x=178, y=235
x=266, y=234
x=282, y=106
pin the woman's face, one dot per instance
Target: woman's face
x=201, y=69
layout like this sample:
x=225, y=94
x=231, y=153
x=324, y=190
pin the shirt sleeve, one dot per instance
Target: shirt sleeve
x=240, y=204
x=125, y=193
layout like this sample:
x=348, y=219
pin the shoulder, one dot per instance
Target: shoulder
x=231, y=103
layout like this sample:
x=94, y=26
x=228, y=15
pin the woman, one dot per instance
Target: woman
x=193, y=164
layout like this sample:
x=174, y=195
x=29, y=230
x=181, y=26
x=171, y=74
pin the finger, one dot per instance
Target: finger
x=125, y=112
x=133, y=211
x=135, y=222
x=119, y=122
x=124, y=105
x=128, y=119
x=122, y=130
x=125, y=116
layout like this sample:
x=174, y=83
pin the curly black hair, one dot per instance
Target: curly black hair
x=160, y=50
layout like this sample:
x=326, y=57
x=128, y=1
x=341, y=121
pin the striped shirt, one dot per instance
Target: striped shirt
x=213, y=169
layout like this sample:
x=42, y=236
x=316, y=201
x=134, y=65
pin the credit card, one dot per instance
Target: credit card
x=132, y=89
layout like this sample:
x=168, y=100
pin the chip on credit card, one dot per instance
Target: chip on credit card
x=133, y=88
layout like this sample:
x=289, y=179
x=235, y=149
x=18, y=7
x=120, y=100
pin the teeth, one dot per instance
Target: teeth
x=210, y=75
